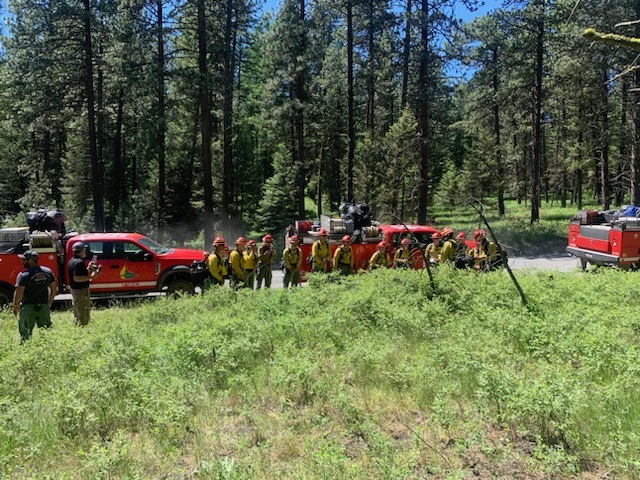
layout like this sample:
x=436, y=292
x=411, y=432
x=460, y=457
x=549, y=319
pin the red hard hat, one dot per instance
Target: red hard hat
x=461, y=236
x=346, y=238
x=382, y=244
x=241, y=240
x=251, y=243
x=479, y=234
x=446, y=231
x=322, y=232
x=293, y=239
x=218, y=241
x=267, y=238
x=436, y=235
x=405, y=241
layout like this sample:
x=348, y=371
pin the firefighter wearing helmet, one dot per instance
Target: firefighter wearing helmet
x=215, y=264
x=403, y=258
x=236, y=264
x=250, y=264
x=343, y=260
x=380, y=258
x=462, y=251
x=321, y=253
x=266, y=254
x=484, y=255
x=292, y=258
x=448, y=252
x=434, y=249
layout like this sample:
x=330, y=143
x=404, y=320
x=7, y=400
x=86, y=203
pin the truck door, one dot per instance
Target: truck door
x=130, y=267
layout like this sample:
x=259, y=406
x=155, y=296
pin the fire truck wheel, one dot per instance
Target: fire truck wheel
x=5, y=297
x=179, y=286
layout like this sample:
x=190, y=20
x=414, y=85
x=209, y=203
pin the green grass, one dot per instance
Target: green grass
x=371, y=377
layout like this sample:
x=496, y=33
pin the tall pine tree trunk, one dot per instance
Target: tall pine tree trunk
x=227, y=117
x=423, y=113
x=299, y=112
x=96, y=170
x=205, y=124
x=161, y=132
x=604, y=140
x=350, y=113
x=496, y=131
x=370, y=120
x=536, y=140
x=623, y=146
x=406, y=57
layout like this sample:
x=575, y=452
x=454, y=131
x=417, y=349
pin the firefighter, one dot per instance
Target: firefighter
x=266, y=252
x=343, y=260
x=35, y=290
x=380, y=258
x=484, y=256
x=236, y=264
x=448, y=252
x=80, y=275
x=403, y=257
x=462, y=251
x=250, y=263
x=434, y=249
x=215, y=264
x=321, y=253
x=292, y=258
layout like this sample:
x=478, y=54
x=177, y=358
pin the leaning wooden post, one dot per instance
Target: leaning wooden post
x=503, y=256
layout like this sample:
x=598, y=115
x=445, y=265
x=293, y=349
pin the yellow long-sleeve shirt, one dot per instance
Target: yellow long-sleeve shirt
x=321, y=254
x=448, y=252
x=379, y=260
x=292, y=257
x=402, y=258
x=216, y=267
x=343, y=255
x=249, y=260
x=235, y=261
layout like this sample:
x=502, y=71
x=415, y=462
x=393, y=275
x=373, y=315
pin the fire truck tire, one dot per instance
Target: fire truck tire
x=180, y=286
x=6, y=296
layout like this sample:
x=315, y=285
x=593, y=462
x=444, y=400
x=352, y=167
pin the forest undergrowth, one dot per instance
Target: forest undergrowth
x=373, y=376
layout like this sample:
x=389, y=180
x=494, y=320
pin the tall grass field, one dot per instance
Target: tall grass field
x=372, y=376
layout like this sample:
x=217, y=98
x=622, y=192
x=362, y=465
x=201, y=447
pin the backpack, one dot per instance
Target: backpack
x=199, y=272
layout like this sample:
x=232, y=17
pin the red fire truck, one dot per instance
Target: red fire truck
x=365, y=239
x=600, y=239
x=131, y=263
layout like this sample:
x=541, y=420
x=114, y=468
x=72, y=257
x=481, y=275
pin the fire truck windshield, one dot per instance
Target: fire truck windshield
x=155, y=246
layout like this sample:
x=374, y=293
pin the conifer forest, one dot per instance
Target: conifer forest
x=173, y=117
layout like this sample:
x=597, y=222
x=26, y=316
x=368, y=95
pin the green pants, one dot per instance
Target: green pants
x=250, y=278
x=32, y=314
x=81, y=306
x=264, y=273
x=236, y=282
x=291, y=277
x=344, y=268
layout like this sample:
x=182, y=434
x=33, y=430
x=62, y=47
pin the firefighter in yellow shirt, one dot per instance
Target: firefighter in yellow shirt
x=236, y=264
x=321, y=253
x=403, y=258
x=215, y=264
x=484, y=256
x=343, y=260
x=292, y=258
x=433, y=250
x=448, y=252
x=380, y=258
x=250, y=263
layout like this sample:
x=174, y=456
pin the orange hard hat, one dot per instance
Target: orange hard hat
x=405, y=241
x=436, y=235
x=322, y=232
x=382, y=244
x=346, y=238
x=267, y=238
x=479, y=234
x=218, y=241
x=241, y=240
x=251, y=243
x=461, y=236
x=446, y=231
x=293, y=239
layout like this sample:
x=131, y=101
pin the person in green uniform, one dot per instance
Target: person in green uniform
x=215, y=264
x=380, y=258
x=236, y=264
x=403, y=258
x=266, y=254
x=250, y=263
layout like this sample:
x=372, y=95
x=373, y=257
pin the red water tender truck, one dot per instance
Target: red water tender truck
x=594, y=238
x=365, y=243
x=131, y=263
